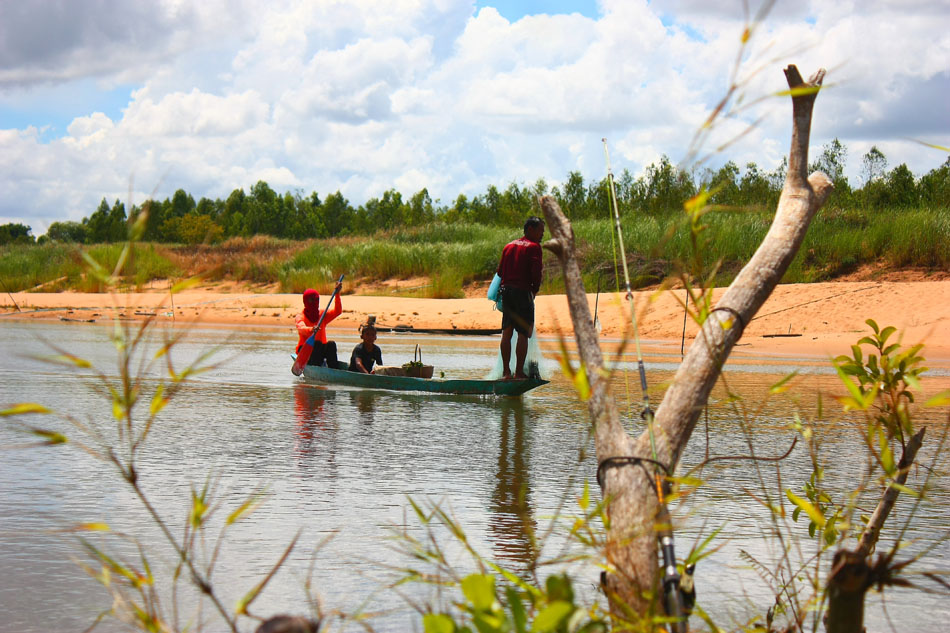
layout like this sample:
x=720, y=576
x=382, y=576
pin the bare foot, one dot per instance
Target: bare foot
x=520, y=377
x=506, y=376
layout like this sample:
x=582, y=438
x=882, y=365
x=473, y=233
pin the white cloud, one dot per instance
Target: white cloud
x=361, y=97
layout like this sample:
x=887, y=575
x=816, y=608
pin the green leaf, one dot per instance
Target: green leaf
x=903, y=488
x=887, y=456
x=480, y=591
x=51, y=437
x=886, y=334
x=518, y=614
x=781, y=386
x=245, y=508
x=158, y=401
x=913, y=383
x=536, y=593
x=873, y=325
x=861, y=401
x=251, y=596
x=699, y=552
x=23, y=408
x=115, y=566
x=831, y=532
x=92, y=527
x=70, y=359
x=939, y=400
x=584, y=501
x=185, y=284
x=799, y=91
x=138, y=228
x=96, y=269
x=559, y=588
x=581, y=384
x=123, y=257
x=437, y=623
x=198, y=509
x=849, y=403
x=813, y=513
x=552, y=616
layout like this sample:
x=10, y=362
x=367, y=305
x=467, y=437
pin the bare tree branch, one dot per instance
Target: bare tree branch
x=873, y=529
x=632, y=507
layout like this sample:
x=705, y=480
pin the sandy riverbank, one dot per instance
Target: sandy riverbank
x=805, y=319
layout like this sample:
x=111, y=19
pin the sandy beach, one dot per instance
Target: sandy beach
x=808, y=320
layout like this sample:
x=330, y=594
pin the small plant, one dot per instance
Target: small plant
x=145, y=381
x=495, y=599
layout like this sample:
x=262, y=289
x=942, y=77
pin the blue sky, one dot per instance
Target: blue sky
x=361, y=97
x=514, y=10
x=53, y=107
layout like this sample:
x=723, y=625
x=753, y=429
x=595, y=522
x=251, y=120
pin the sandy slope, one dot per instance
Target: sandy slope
x=828, y=317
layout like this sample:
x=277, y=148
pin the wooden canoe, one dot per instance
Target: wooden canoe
x=429, y=385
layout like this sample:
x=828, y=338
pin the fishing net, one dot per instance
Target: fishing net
x=534, y=364
x=534, y=359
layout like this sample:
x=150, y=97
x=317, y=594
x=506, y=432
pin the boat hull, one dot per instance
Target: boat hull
x=433, y=385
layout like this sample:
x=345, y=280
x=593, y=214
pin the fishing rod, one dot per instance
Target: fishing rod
x=647, y=411
x=673, y=599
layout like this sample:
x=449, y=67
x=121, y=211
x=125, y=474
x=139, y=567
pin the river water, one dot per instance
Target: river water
x=338, y=466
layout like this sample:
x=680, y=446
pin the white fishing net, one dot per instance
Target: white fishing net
x=534, y=364
x=534, y=359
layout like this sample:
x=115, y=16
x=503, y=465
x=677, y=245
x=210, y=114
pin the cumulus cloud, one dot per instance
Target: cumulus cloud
x=365, y=96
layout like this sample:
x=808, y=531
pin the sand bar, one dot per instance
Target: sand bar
x=808, y=320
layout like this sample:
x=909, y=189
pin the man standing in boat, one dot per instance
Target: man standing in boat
x=306, y=321
x=520, y=272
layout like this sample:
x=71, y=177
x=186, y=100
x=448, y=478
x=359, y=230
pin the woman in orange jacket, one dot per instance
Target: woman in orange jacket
x=324, y=351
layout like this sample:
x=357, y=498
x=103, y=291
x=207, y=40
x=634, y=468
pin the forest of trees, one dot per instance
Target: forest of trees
x=663, y=188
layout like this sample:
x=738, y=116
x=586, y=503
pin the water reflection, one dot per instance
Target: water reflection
x=313, y=427
x=365, y=404
x=512, y=524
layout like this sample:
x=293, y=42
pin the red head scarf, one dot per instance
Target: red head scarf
x=311, y=304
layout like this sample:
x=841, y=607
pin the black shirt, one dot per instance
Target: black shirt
x=367, y=358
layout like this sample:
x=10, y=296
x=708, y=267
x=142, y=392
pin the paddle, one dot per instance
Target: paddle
x=304, y=354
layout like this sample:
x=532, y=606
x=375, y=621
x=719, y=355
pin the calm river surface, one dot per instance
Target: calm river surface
x=342, y=463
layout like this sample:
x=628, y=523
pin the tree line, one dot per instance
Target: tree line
x=663, y=188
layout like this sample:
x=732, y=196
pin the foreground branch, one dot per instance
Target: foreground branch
x=632, y=503
x=851, y=573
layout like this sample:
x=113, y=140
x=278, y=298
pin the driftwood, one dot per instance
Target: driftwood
x=632, y=503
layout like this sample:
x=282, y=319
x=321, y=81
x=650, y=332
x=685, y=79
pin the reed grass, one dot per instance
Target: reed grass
x=256, y=260
x=453, y=255
x=25, y=266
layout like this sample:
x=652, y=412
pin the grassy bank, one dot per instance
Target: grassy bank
x=53, y=267
x=454, y=255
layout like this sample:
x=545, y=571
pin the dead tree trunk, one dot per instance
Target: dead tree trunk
x=631, y=539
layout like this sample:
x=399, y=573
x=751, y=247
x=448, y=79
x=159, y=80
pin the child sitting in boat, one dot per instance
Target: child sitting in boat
x=366, y=354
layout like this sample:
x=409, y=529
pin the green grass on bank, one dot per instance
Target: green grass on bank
x=454, y=255
x=53, y=267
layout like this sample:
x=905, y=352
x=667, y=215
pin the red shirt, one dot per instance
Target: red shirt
x=520, y=265
x=305, y=326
